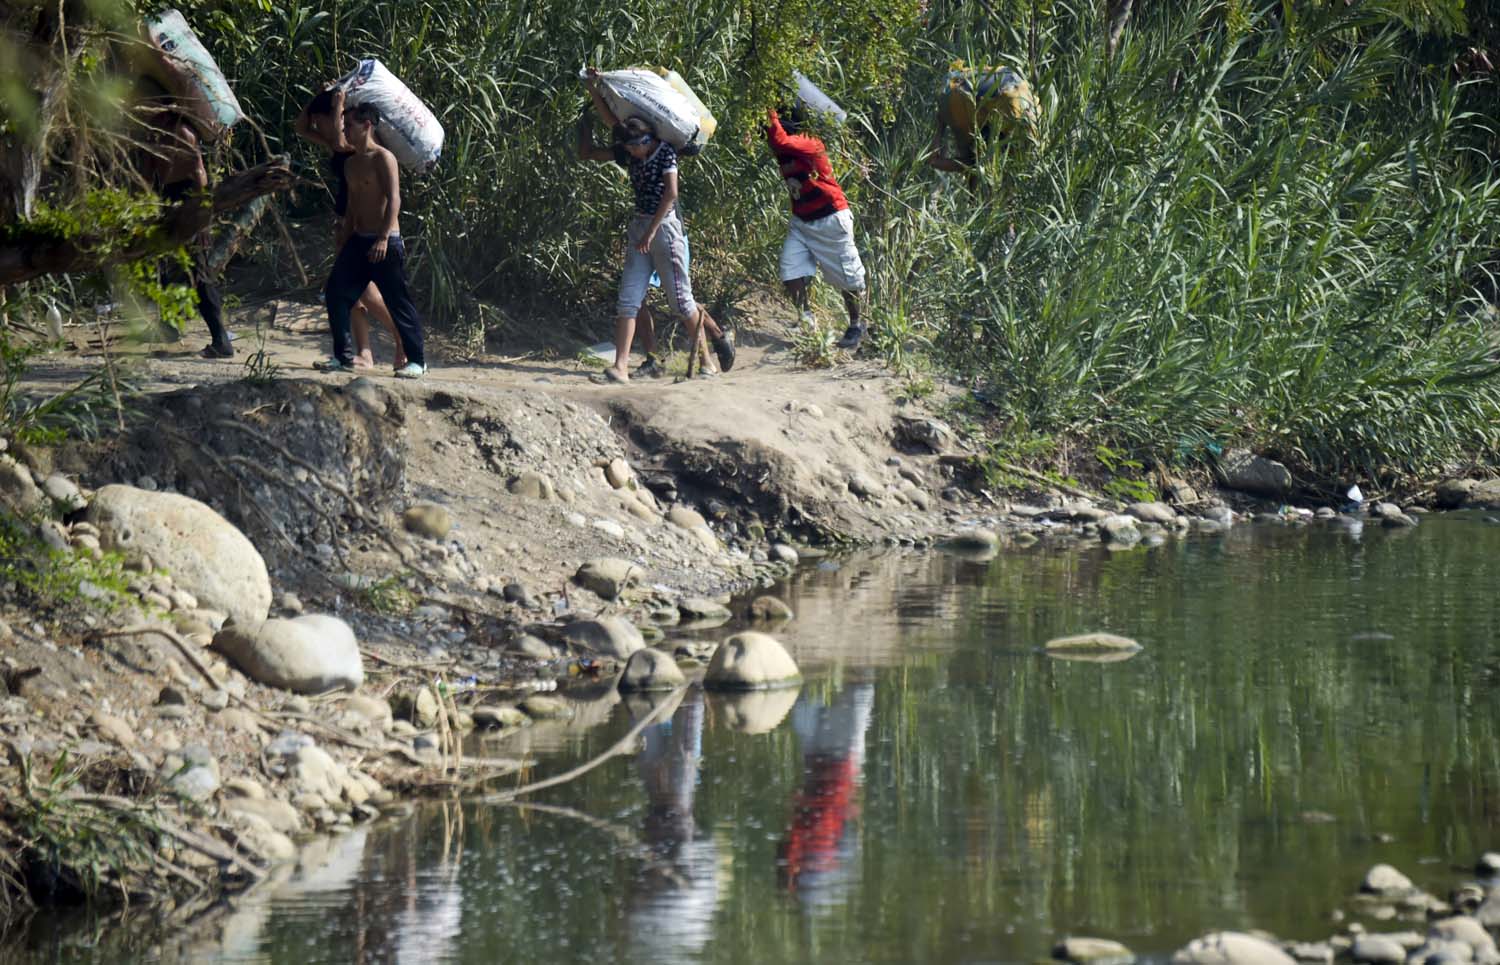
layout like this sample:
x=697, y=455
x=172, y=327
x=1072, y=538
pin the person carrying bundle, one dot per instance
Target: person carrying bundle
x=322, y=123
x=820, y=235
x=645, y=322
x=174, y=166
x=995, y=104
x=373, y=252
x=655, y=238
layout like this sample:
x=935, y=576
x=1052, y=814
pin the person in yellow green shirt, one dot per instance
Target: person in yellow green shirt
x=990, y=103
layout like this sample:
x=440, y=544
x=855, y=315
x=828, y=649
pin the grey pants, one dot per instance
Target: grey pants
x=668, y=258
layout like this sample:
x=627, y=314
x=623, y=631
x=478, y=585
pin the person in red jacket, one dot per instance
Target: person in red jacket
x=820, y=235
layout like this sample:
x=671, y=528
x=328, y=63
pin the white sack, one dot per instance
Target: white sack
x=815, y=100
x=643, y=94
x=407, y=128
x=208, y=101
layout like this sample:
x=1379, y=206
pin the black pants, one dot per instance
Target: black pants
x=210, y=303
x=352, y=272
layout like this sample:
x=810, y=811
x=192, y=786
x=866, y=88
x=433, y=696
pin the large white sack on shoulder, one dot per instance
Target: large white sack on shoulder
x=815, y=100
x=643, y=94
x=407, y=128
x=707, y=123
x=210, y=101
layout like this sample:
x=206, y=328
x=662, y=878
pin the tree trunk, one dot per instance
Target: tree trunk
x=1119, y=16
x=23, y=258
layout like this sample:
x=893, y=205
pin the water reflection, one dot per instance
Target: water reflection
x=675, y=894
x=940, y=790
x=818, y=854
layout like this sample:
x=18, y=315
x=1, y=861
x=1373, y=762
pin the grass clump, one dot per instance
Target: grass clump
x=388, y=596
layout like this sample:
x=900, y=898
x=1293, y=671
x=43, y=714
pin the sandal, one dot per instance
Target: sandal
x=608, y=377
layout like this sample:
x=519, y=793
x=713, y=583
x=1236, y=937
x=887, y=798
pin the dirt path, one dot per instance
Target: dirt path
x=769, y=452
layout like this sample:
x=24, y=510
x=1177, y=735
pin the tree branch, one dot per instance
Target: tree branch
x=24, y=257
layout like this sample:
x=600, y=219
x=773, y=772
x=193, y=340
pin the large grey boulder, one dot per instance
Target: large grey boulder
x=608, y=577
x=1244, y=471
x=607, y=636
x=18, y=492
x=651, y=670
x=307, y=655
x=204, y=552
x=1468, y=494
x=1159, y=513
x=751, y=661
x=1119, y=530
x=1230, y=948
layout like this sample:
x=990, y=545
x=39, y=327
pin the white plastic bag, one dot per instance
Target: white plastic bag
x=189, y=73
x=407, y=128
x=650, y=97
x=815, y=101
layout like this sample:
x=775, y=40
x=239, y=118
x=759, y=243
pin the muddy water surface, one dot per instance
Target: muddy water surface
x=1308, y=703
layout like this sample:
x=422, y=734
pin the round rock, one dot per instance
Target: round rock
x=307, y=654
x=651, y=670
x=206, y=555
x=751, y=661
x=608, y=577
x=617, y=473
x=429, y=520
x=686, y=518
x=1377, y=950
x=1230, y=948
x=1385, y=880
x=607, y=636
x=1092, y=951
x=769, y=609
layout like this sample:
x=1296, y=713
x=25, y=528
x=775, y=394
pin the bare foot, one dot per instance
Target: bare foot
x=364, y=360
x=401, y=359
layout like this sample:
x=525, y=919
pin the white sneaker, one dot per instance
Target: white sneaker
x=411, y=370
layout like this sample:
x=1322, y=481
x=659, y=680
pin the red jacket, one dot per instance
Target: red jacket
x=805, y=169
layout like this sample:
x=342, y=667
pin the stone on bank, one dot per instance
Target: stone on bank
x=651, y=670
x=1230, y=948
x=204, y=552
x=751, y=661
x=306, y=655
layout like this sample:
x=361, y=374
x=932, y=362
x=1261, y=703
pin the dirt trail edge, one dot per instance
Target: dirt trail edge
x=489, y=532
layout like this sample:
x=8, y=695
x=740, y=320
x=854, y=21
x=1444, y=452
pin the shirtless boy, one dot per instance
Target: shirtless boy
x=373, y=252
x=322, y=122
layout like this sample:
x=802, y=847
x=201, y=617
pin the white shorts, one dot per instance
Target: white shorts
x=826, y=245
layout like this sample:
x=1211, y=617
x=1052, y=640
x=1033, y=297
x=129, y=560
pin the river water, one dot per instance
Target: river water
x=1308, y=703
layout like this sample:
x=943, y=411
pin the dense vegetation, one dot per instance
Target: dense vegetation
x=1260, y=223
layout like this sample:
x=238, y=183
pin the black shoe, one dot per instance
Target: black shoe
x=724, y=349
x=333, y=364
x=212, y=351
x=852, y=337
x=650, y=369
